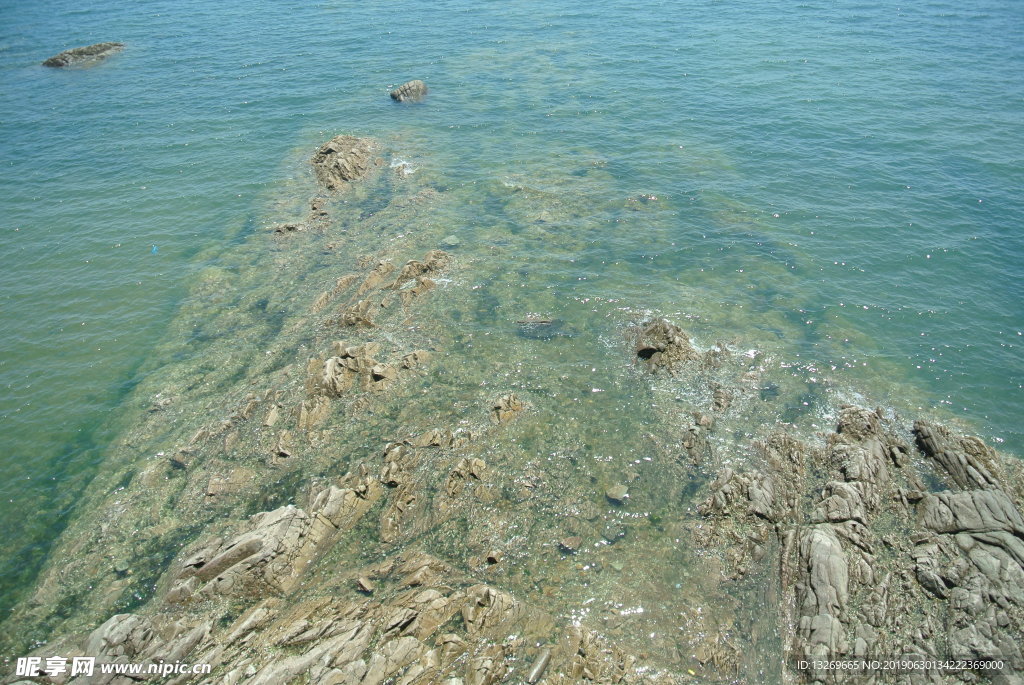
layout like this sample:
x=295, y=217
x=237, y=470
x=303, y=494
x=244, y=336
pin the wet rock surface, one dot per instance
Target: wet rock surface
x=535, y=327
x=355, y=492
x=343, y=159
x=663, y=345
x=411, y=91
x=874, y=566
x=84, y=56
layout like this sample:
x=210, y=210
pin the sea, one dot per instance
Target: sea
x=837, y=184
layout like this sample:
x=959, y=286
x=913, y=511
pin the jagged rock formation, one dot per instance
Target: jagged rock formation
x=405, y=638
x=663, y=345
x=343, y=159
x=411, y=91
x=874, y=565
x=89, y=54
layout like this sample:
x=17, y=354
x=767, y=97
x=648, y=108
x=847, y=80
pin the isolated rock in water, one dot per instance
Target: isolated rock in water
x=413, y=91
x=83, y=55
x=617, y=493
x=343, y=159
x=663, y=345
x=506, y=408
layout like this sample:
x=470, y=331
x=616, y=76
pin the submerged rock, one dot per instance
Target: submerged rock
x=411, y=91
x=617, y=493
x=571, y=544
x=84, y=56
x=542, y=328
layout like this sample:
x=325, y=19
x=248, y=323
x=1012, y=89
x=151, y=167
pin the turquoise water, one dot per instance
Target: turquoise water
x=835, y=183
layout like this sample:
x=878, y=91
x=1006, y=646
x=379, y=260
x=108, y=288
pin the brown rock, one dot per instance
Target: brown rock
x=342, y=160
x=571, y=544
x=662, y=345
x=506, y=408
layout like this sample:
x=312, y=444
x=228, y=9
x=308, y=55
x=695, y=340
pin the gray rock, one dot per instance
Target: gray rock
x=973, y=511
x=84, y=56
x=613, y=532
x=969, y=463
x=411, y=91
x=433, y=262
x=487, y=608
x=272, y=554
x=122, y=635
x=823, y=593
x=539, y=665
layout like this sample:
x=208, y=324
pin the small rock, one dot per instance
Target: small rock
x=84, y=55
x=284, y=444
x=539, y=665
x=613, y=532
x=494, y=556
x=506, y=408
x=412, y=91
x=450, y=242
x=571, y=544
x=366, y=585
x=662, y=345
x=617, y=493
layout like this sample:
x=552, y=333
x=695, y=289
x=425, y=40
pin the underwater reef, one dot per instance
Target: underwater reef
x=332, y=483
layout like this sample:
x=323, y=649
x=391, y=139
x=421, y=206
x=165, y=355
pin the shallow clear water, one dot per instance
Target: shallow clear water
x=835, y=184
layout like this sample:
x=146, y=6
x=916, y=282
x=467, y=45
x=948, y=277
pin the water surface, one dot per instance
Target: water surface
x=835, y=184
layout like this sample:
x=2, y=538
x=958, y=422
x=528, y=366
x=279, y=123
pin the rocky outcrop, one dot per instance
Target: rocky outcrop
x=480, y=535
x=411, y=91
x=663, y=345
x=84, y=56
x=411, y=637
x=506, y=408
x=955, y=562
x=967, y=461
x=270, y=555
x=343, y=159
